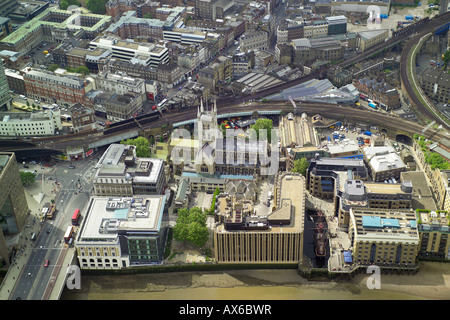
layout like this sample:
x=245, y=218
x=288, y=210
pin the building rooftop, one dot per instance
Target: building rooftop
x=384, y=225
x=67, y=23
x=106, y=216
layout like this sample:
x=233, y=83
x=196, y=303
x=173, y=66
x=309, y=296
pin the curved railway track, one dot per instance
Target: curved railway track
x=410, y=44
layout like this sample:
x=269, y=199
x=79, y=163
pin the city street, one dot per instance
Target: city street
x=70, y=189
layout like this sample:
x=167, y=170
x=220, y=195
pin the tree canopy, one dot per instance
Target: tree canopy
x=142, y=146
x=80, y=69
x=27, y=178
x=64, y=4
x=96, y=6
x=263, y=124
x=191, y=227
x=300, y=166
x=446, y=58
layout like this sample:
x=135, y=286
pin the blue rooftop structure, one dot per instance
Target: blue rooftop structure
x=371, y=222
x=377, y=222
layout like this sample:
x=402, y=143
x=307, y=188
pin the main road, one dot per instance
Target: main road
x=36, y=280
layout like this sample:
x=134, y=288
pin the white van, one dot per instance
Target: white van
x=22, y=97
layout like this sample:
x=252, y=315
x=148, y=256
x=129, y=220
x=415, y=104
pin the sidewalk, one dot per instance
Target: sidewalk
x=37, y=195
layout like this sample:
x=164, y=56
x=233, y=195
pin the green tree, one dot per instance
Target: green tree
x=191, y=227
x=64, y=4
x=300, y=166
x=446, y=58
x=80, y=69
x=27, y=178
x=142, y=146
x=263, y=124
x=53, y=67
x=96, y=6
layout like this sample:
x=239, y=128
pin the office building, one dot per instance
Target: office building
x=130, y=26
x=120, y=173
x=30, y=124
x=242, y=236
x=254, y=40
x=336, y=24
x=323, y=48
x=13, y=204
x=436, y=84
x=15, y=81
x=57, y=88
x=5, y=94
x=369, y=38
x=121, y=232
x=119, y=83
x=127, y=50
x=8, y=7
x=386, y=238
x=324, y=175
x=120, y=107
x=54, y=25
x=359, y=194
x=434, y=230
x=384, y=164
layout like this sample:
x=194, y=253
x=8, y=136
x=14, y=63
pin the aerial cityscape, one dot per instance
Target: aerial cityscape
x=168, y=149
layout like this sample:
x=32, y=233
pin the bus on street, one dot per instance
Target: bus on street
x=68, y=234
x=75, y=217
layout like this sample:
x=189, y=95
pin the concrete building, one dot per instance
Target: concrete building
x=54, y=25
x=384, y=237
x=119, y=83
x=367, y=39
x=336, y=24
x=254, y=40
x=324, y=175
x=5, y=95
x=82, y=118
x=323, y=48
x=95, y=60
x=126, y=50
x=8, y=7
x=434, y=230
x=5, y=27
x=359, y=194
x=211, y=9
x=122, y=232
x=315, y=29
x=121, y=173
x=242, y=236
x=26, y=124
x=13, y=204
x=130, y=25
x=384, y=163
x=15, y=81
x=436, y=84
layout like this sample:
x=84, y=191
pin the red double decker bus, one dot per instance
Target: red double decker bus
x=76, y=216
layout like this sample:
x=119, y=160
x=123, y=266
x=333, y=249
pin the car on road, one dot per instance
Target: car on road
x=49, y=229
x=46, y=263
x=71, y=167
